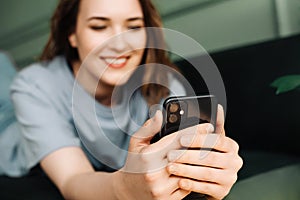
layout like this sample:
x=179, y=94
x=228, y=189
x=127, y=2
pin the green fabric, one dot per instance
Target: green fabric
x=278, y=184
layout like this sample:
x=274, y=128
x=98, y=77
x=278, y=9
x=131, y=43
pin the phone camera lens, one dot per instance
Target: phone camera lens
x=174, y=107
x=173, y=118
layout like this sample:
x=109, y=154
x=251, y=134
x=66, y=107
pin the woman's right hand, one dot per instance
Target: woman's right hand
x=144, y=175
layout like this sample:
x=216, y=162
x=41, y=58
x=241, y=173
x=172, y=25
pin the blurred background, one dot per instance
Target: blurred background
x=216, y=24
x=252, y=42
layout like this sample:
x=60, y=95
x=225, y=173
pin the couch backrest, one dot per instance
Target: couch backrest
x=256, y=117
x=7, y=72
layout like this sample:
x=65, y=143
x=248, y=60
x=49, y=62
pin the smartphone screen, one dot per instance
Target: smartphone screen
x=185, y=111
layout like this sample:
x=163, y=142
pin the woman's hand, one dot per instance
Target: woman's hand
x=168, y=170
x=144, y=175
x=203, y=170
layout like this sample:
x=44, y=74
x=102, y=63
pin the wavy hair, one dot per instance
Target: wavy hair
x=63, y=24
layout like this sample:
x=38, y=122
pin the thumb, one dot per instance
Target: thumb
x=220, y=120
x=150, y=128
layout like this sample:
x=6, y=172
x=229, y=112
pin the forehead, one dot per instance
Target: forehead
x=110, y=8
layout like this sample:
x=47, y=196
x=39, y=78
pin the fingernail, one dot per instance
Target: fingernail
x=186, y=140
x=155, y=116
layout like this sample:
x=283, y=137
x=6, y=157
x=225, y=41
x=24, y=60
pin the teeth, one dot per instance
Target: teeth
x=115, y=61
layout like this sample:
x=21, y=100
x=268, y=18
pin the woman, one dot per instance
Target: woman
x=42, y=96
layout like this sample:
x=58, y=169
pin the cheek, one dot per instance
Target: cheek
x=138, y=56
x=88, y=43
x=141, y=53
x=136, y=40
x=84, y=48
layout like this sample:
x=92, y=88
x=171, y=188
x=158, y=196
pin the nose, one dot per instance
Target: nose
x=118, y=43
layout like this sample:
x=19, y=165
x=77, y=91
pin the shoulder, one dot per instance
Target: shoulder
x=43, y=75
x=42, y=70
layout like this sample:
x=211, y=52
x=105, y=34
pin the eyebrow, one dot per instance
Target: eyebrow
x=98, y=18
x=135, y=18
x=107, y=19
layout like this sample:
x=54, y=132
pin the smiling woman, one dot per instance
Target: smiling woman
x=96, y=24
x=98, y=45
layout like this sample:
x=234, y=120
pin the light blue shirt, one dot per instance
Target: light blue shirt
x=51, y=117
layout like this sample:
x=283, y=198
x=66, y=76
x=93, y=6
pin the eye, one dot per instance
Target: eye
x=98, y=27
x=134, y=27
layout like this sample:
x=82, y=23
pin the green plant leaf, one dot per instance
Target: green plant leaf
x=286, y=83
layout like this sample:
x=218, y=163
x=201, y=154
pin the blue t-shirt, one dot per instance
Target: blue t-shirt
x=54, y=111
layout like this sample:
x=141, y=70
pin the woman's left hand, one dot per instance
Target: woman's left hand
x=209, y=165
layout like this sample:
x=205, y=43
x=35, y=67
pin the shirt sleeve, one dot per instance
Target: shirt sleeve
x=45, y=128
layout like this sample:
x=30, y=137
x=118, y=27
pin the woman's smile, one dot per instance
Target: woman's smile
x=115, y=62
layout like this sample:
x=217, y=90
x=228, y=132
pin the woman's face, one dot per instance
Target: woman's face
x=98, y=21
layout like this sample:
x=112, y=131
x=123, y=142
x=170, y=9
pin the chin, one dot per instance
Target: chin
x=120, y=78
x=115, y=81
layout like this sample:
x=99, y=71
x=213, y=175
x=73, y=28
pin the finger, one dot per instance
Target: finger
x=162, y=184
x=213, y=159
x=172, y=141
x=179, y=194
x=212, y=189
x=201, y=173
x=200, y=158
x=209, y=141
x=220, y=120
x=149, y=129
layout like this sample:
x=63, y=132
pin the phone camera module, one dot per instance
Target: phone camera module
x=173, y=118
x=174, y=107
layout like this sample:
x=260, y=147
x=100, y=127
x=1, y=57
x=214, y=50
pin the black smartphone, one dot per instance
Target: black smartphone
x=180, y=112
x=185, y=111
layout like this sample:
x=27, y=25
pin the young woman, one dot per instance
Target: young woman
x=42, y=96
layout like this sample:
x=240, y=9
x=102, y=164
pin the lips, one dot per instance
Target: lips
x=116, y=62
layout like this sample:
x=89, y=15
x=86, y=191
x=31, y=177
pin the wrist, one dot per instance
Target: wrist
x=118, y=185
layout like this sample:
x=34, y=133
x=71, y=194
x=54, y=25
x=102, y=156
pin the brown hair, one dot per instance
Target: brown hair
x=63, y=24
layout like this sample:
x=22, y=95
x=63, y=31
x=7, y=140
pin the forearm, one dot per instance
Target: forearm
x=92, y=185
